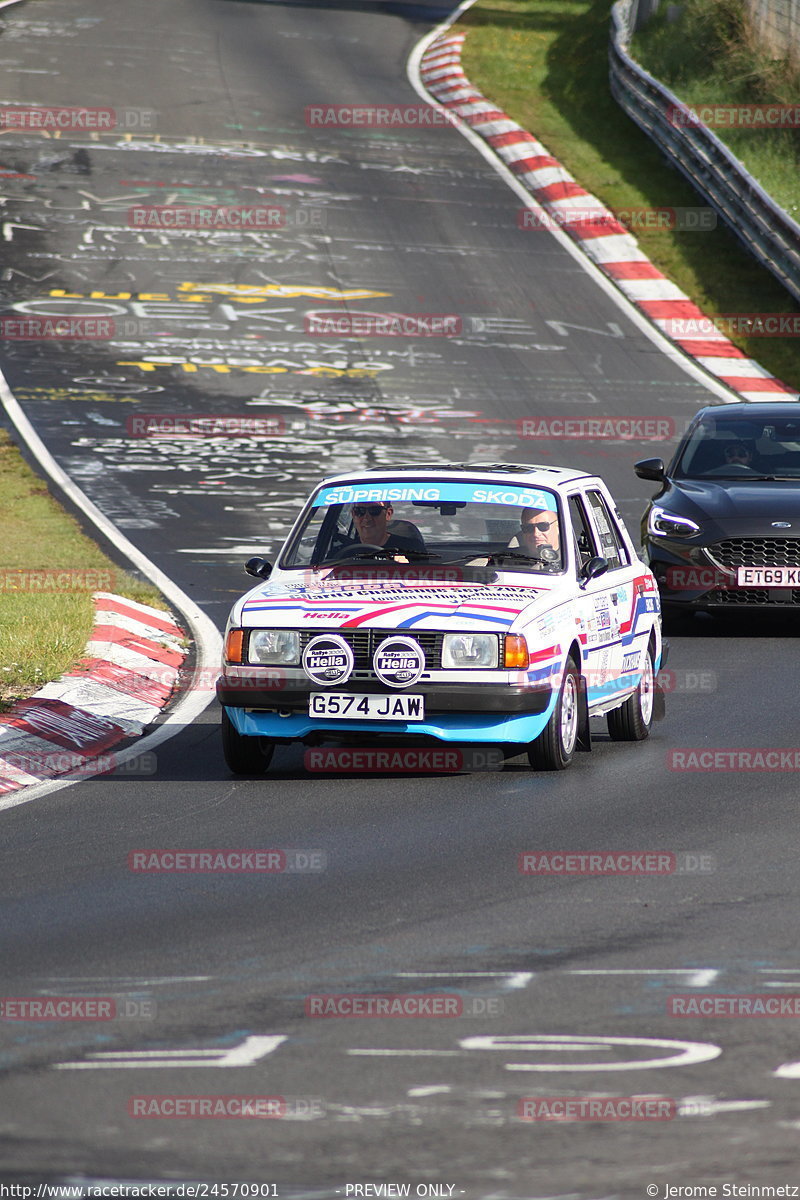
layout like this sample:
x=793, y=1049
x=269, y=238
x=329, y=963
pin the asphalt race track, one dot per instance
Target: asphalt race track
x=416, y=888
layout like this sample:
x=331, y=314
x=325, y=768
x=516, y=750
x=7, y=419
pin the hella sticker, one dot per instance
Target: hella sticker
x=399, y=662
x=328, y=659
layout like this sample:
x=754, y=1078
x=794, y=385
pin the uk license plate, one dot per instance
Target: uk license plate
x=371, y=707
x=768, y=577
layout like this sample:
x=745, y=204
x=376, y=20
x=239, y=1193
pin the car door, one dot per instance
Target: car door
x=628, y=642
x=598, y=603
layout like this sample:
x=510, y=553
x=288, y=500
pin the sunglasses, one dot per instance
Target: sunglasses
x=542, y=526
x=374, y=510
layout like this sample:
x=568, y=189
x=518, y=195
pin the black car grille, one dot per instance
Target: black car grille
x=755, y=596
x=364, y=643
x=757, y=552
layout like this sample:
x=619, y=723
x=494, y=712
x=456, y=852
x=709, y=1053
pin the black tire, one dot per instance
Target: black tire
x=244, y=755
x=554, y=748
x=632, y=721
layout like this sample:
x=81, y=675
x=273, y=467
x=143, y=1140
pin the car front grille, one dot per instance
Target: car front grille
x=756, y=552
x=754, y=596
x=364, y=643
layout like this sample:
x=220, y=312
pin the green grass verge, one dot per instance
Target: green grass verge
x=708, y=56
x=45, y=623
x=545, y=63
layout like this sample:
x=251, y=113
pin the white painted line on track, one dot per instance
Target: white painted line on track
x=697, y=978
x=723, y=393
x=206, y=636
x=245, y=1054
x=409, y=1053
x=514, y=979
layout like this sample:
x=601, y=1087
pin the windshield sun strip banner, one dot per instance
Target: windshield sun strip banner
x=434, y=492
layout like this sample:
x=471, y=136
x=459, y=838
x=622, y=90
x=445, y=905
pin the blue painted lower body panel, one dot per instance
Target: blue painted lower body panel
x=447, y=727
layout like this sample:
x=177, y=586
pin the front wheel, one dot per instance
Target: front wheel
x=631, y=722
x=555, y=745
x=244, y=755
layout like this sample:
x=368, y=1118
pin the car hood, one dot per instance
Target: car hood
x=331, y=602
x=750, y=506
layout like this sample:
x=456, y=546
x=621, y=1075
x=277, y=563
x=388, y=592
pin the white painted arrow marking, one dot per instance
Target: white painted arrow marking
x=244, y=1055
x=561, y=328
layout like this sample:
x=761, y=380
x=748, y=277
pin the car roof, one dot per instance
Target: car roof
x=542, y=474
x=755, y=410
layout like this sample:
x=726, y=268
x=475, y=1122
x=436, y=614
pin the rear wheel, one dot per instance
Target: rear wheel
x=555, y=745
x=244, y=755
x=632, y=720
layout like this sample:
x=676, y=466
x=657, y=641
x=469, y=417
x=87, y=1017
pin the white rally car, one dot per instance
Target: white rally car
x=471, y=603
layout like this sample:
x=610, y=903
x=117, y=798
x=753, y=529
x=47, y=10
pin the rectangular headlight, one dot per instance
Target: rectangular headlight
x=470, y=650
x=274, y=647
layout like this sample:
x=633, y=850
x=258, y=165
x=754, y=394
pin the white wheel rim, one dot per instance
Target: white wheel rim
x=569, y=713
x=646, y=690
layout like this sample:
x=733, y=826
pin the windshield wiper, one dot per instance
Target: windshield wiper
x=516, y=554
x=741, y=478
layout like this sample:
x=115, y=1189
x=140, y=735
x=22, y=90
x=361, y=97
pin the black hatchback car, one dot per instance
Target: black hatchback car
x=723, y=531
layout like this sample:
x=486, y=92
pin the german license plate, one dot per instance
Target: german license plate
x=372, y=707
x=768, y=576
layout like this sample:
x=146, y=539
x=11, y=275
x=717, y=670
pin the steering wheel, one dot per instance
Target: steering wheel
x=355, y=548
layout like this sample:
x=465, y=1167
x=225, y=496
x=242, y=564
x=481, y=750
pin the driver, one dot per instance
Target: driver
x=371, y=521
x=538, y=534
x=738, y=454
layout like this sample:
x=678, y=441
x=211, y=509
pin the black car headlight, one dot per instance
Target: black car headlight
x=663, y=523
x=274, y=647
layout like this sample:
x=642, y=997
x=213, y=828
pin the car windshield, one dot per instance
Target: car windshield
x=724, y=446
x=510, y=526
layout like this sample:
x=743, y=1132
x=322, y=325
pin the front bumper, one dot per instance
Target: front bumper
x=701, y=584
x=491, y=713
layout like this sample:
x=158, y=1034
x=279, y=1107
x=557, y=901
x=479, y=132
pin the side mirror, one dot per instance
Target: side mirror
x=593, y=568
x=651, y=468
x=259, y=567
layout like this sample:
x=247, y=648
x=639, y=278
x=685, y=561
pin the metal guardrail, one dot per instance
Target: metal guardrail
x=765, y=229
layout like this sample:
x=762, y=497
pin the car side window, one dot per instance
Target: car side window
x=585, y=543
x=612, y=547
